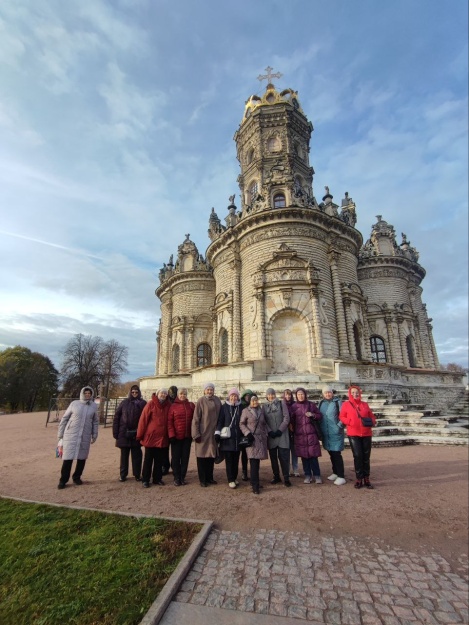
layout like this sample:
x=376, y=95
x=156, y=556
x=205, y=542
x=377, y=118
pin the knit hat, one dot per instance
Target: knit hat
x=209, y=385
x=233, y=391
x=270, y=391
x=327, y=389
x=134, y=387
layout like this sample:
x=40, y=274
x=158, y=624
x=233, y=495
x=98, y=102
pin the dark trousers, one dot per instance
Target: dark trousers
x=67, y=468
x=180, y=452
x=276, y=454
x=244, y=461
x=205, y=469
x=165, y=463
x=361, y=450
x=255, y=465
x=232, y=464
x=337, y=463
x=136, y=453
x=153, y=464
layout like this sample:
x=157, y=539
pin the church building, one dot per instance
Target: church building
x=287, y=291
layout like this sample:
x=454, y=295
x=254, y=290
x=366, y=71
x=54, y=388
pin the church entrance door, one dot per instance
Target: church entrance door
x=290, y=353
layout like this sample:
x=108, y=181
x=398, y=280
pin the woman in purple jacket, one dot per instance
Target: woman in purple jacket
x=304, y=414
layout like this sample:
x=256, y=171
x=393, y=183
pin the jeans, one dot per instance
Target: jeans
x=232, y=464
x=180, y=452
x=311, y=467
x=361, y=450
x=337, y=463
x=136, y=453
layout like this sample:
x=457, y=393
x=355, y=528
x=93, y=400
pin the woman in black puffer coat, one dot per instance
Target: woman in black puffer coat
x=124, y=430
x=229, y=416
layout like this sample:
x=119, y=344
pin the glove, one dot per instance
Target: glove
x=173, y=439
x=217, y=438
x=272, y=434
x=93, y=440
x=198, y=439
x=251, y=437
x=278, y=433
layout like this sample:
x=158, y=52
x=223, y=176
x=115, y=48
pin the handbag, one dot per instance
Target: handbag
x=226, y=431
x=367, y=422
x=248, y=441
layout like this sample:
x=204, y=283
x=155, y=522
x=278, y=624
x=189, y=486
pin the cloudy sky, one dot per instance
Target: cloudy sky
x=116, y=138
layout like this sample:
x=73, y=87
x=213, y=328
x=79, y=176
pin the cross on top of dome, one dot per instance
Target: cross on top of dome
x=269, y=76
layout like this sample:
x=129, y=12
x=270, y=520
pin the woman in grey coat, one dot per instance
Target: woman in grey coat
x=253, y=425
x=204, y=424
x=278, y=419
x=77, y=430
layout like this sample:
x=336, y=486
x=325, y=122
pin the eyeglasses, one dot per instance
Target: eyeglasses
x=134, y=392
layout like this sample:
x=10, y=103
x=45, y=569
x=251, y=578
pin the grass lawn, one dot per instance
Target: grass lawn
x=77, y=567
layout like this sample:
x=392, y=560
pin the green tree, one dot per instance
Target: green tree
x=90, y=361
x=27, y=379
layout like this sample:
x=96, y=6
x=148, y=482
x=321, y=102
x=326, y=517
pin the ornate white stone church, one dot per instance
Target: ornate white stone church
x=287, y=291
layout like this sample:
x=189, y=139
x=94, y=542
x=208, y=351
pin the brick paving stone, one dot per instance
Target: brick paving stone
x=334, y=618
x=447, y=617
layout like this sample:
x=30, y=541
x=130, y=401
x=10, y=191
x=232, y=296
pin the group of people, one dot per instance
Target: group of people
x=283, y=429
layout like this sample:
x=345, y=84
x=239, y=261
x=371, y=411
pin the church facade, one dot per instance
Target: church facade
x=287, y=289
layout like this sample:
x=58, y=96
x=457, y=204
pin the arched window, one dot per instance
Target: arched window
x=357, y=340
x=378, y=349
x=223, y=342
x=279, y=200
x=175, y=359
x=411, y=351
x=204, y=355
x=253, y=190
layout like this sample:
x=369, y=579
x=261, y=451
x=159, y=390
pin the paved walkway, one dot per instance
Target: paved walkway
x=284, y=577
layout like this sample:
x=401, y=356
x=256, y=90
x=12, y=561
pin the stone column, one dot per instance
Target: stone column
x=366, y=334
x=317, y=322
x=392, y=351
x=259, y=295
x=165, y=358
x=338, y=305
x=237, y=350
x=418, y=342
x=215, y=349
x=158, y=339
x=436, y=363
x=182, y=356
x=190, y=331
x=349, y=325
x=403, y=346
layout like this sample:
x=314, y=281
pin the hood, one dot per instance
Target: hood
x=300, y=388
x=82, y=393
x=130, y=396
x=352, y=399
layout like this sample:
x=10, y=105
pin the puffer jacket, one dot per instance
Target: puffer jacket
x=253, y=420
x=126, y=418
x=153, y=425
x=331, y=426
x=180, y=419
x=305, y=438
x=230, y=416
x=78, y=427
x=350, y=414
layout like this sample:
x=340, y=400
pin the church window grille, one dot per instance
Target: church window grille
x=176, y=358
x=253, y=190
x=204, y=355
x=223, y=341
x=378, y=349
x=411, y=351
x=279, y=200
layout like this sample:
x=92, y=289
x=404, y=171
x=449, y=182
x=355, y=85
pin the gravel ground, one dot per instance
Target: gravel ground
x=420, y=501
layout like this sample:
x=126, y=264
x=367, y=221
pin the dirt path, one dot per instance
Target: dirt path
x=420, y=502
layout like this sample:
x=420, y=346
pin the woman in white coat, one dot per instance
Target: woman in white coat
x=77, y=430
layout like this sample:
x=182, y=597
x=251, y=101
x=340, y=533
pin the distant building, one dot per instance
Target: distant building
x=287, y=291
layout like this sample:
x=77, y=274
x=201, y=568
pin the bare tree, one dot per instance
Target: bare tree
x=89, y=361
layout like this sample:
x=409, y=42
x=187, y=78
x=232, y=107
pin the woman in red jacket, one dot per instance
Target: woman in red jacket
x=357, y=416
x=180, y=437
x=152, y=432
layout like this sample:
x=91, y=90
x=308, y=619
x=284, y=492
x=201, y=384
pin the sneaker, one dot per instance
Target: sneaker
x=61, y=485
x=78, y=481
x=318, y=479
x=296, y=474
x=333, y=477
x=232, y=484
x=340, y=481
x=307, y=480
